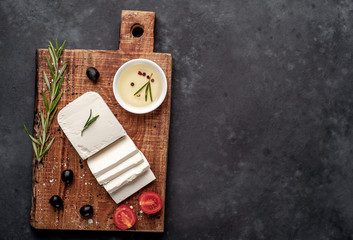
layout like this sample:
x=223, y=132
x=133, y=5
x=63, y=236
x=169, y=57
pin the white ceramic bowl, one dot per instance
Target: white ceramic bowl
x=156, y=103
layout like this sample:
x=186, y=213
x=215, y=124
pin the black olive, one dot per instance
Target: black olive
x=67, y=176
x=86, y=210
x=92, y=73
x=56, y=201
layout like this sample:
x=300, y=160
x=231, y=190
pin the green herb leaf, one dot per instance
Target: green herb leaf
x=55, y=102
x=58, y=87
x=51, y=67
x=35, y=149
x=140, y=89
x=61, y=48
x=47, y=148
x=61, y=71
x=51, y=45
x=30, y=136
x=89, y=121
x=51, y=117
x=45, y=129
x=52, y=93
x=46, y=80
x=89, y=117
x=52, y=54
x=92, y=120
x=47, y=137
x=149, y=84
x=45, y=101
x=146, y=92
x=44, y=137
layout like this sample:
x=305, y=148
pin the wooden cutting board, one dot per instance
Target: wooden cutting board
x=150, y=133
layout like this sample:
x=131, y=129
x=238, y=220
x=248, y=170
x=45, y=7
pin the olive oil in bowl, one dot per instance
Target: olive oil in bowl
x=140, y=86
x=134, y=85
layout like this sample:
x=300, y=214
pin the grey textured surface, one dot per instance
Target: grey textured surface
x=262, y=113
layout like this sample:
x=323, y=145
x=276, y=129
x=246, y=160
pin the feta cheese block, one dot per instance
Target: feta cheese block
x=121, y=168
x=126, y=177
x=112, y=156
x=101, y=133
x=126, y=191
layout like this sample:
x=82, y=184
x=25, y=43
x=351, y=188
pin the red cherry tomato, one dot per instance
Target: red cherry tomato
x=150, y=202
x=124, y=217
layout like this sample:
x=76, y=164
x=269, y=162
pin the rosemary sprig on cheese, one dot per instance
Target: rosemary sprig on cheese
x=89, y=121
x=40, y=140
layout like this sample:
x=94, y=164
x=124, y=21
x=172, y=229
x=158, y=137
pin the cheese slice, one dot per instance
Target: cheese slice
x=112, y=156
x=134, y=186
x=121, y=168
x=101, y=133
x=126, y=177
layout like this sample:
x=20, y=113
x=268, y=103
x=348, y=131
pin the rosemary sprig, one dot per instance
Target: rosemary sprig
x=89, y=121
x=140, y=89
x=39, y=141
x=147, y=90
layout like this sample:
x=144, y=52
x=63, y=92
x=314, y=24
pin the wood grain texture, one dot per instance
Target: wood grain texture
x=150, y=133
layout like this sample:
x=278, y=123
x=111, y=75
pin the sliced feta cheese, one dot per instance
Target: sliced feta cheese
x=112, y=156
x=134, y=186
x=121, y=168
x=101, y=133
x=126, y=177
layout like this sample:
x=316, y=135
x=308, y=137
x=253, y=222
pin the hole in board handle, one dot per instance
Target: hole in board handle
x=137, y=30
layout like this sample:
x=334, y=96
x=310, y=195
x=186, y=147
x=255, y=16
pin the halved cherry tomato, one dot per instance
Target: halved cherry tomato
x=150, y=202
x=124, y=217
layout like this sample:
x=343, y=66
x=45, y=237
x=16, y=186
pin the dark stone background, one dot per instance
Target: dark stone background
x=262, y=113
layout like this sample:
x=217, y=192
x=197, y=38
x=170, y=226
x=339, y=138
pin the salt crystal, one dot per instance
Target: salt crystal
x=131, y=207
x=51, y=180
x=90, y=221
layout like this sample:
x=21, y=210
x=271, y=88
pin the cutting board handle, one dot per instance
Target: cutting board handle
x=137, y=31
